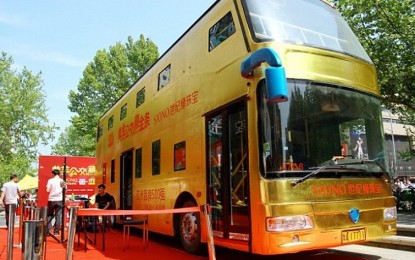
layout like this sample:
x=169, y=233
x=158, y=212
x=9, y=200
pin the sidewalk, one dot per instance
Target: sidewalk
x=406, y=220
x=405, y=239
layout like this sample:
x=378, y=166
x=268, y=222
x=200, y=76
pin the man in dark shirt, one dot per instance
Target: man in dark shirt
x=102, y=199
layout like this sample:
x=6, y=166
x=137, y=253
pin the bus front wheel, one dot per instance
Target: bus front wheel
x=190, y=229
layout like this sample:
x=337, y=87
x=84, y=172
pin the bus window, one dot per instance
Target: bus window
x=112, y=171
x=221, y=31
x=123, y=112
x=319, y=123
x=180, y=156
x=295, y=21
x=164, y=77
x=140, y=97
x=138, y=162
x=156, y=157
x=100, y=131
x=110, y=122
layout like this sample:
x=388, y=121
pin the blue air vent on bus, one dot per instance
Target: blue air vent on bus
x=274, y=75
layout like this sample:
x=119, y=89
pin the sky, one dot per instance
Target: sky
x=59, y=38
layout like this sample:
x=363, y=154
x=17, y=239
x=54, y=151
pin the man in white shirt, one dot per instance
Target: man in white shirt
x=10, y=195
x=55, y=187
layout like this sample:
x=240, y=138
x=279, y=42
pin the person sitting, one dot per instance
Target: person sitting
x=103, y=200
x=408, y=183
x=402, y=185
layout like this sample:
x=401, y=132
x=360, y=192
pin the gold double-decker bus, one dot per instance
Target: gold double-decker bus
x=266, y=110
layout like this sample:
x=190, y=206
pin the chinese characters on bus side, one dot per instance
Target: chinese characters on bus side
x=141, y=122
x=152, y=198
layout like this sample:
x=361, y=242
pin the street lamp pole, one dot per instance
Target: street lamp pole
x=393, y=145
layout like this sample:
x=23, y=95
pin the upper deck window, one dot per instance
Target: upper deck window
x=123, y=112
x=221, y=31
x=164, y=77
x=100, y=131
x=302, y=22
x=110, y=122
x=140, y=98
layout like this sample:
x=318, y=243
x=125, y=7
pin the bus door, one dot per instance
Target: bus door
x=126, y=180
x=228, y=182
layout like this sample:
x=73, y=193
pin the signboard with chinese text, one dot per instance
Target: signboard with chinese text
x=79, y=173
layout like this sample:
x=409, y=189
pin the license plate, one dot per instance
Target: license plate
x=355, y=235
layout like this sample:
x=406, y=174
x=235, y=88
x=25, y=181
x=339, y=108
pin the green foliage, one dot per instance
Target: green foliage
x=69, y=143
x=406, y=155
x=104, y=81
x=24, y=124
x=385, y=29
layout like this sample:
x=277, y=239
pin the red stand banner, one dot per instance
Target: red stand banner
x=79, y=172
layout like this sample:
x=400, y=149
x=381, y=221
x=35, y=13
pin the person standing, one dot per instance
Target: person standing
x=359, y=148
x=55, y=187
x=10, y=195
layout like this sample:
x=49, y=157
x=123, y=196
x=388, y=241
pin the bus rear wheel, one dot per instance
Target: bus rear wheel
x=190, y=229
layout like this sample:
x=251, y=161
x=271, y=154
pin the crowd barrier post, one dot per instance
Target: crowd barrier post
x=10, y=231
x=42, y=214
x=73, y=213
x=21, y=218
x=205, y=209
x=34, y=237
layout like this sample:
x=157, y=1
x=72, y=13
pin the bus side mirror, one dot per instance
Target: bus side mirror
x=276, y=84
x=275, y=77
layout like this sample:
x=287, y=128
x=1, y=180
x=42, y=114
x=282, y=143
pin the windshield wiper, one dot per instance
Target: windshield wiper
x=311, y=174
x=334, y=164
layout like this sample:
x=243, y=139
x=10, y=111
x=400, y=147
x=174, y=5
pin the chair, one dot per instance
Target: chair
x=128, y=222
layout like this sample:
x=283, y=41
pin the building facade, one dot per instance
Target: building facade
x=399, y=138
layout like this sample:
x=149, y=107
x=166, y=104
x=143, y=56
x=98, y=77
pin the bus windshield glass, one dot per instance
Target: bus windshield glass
x=303, y=22
x=320, y=125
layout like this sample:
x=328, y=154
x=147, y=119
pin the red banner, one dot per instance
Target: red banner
x=79, y=173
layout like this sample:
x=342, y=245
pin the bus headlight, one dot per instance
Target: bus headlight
x=390, y=213
x=288, y=223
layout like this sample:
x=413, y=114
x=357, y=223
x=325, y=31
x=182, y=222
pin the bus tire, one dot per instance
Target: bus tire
x=190, y=229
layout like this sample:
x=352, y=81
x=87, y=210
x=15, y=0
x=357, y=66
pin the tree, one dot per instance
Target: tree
x=385, y=29
x=24, y=124
x=104, y=81
x=70, y=143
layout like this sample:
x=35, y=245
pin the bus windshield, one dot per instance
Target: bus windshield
x=303, y=22
x=321, y=125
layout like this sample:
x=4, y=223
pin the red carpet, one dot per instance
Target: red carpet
x=113, y=248
x=155, y=251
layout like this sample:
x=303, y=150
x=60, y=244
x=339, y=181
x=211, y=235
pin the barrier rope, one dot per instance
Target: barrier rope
x=75, y=211
x=120, y=212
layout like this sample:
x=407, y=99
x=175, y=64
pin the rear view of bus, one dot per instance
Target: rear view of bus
x=321, y=156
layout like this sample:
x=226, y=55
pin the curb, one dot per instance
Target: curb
x=403, y=240
x=395, y=242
